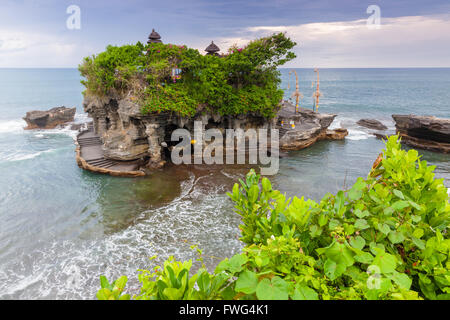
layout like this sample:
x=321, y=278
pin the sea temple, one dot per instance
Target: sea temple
x=134, y=116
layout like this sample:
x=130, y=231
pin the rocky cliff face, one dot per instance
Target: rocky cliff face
x=424, y=132
x=127, y=134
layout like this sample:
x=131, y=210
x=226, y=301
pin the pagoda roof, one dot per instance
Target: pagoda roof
x=154, y=37
x=212, y=48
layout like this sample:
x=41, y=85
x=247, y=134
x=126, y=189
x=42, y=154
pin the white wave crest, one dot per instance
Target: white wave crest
x=358, y=135
x=70, y=269
x=26, y=156
x=355, y=132
x=81, y=118
x=12, y=126
x=17, y=127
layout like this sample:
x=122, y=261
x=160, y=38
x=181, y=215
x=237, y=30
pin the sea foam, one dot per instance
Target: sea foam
x=21, y=156
x=355, y=132
x=17, y=126
x=12, y=126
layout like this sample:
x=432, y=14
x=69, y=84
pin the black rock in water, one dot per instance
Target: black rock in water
x=49, y=119
x=371, y=124
x=424, y=132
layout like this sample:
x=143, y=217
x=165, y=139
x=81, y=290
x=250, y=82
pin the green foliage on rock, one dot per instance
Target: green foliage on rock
x=384, y=238
x=243, y=81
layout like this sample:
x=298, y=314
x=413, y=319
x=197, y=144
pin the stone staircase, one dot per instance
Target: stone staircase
x=92, y=140
x=102, y=162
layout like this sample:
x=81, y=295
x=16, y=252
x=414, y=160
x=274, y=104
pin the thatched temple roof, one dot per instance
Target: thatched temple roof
x=212, y=48
x=154, y=37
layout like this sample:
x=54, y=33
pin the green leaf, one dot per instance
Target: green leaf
x=235, y=191
x=427, y=287
x=247, y=282
x=305, y=293
x=355, y=194
x=415, y=205
x=364, y=257
x=121, y=282
x=375, y=247
x=402, y=280
x=315, y=231
x=419, y=243
x=385, y=261
x=400, y=205
x=103, y=294
x=384, y=228
x=104, y=283
x=203, y=280
x=267, y=186
x=323, y=219
x=333, y=224
x=339, y=203
x=360, y=184
x=173, y=279
x=339, y=253
x=388, y=211
x=173, y=293
x=396, y=237
x=222, y=266
x=399, y=194
x=253, y=193
x=277, y=289
x=361, y=224
x=361, y=214
x=418, y=233
x=357, y=242
x=333, y=270
x=236, y=262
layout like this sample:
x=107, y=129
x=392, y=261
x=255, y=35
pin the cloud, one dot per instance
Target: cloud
x=412, y=41
x=8, y=44
x=25, y=49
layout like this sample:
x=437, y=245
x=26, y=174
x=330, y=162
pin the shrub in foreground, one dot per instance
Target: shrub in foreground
x=385, y=238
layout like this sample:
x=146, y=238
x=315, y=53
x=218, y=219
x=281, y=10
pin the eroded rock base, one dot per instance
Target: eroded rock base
x=424, y=132
x=126, y=135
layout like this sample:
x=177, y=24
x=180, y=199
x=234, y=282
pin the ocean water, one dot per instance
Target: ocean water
x=62, y=227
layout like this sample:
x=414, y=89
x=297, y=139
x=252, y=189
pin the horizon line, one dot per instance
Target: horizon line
x=416, y=67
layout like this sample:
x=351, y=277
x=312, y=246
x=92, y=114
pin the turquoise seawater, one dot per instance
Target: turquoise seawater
x=62, y=227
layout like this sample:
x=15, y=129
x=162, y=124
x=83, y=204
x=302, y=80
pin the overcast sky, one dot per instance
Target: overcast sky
x=34, y=33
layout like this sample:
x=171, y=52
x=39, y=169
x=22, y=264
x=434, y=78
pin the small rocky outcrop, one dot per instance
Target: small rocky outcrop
x=371, y=124
x=337, y=134
x=49, y=119
x=302, y=129
x=424, y=132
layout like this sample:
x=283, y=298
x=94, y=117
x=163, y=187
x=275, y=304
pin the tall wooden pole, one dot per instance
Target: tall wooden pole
x=296, y=93
x=317, y=90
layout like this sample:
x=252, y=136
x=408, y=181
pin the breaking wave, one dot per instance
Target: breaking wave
x=355, y=132
x=12, y=126
x=70, y=269
x=20, y=156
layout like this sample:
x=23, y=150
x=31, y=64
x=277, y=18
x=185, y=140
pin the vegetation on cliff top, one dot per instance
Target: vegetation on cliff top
x=384, y=238
x=243, y=81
